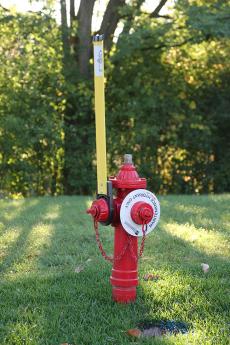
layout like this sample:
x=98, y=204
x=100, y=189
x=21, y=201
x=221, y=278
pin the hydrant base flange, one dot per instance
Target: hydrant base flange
x=124, y=295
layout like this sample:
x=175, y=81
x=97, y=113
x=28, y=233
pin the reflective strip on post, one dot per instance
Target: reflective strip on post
x=100, y=114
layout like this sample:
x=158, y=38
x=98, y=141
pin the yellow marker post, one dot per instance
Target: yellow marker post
x=100, y=114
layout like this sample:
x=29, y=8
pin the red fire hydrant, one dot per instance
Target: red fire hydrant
x=133, y=213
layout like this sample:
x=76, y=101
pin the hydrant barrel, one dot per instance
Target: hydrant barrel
x=124, y=276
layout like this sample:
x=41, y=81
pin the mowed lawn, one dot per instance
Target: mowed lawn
x=45, y=300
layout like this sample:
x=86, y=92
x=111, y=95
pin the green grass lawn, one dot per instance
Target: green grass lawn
x=44, y=301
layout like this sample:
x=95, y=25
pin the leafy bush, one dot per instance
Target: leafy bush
x=32, y=105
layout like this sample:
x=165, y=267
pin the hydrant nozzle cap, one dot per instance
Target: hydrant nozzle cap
x=92, y=211
x=99, y=210
x=128, y=159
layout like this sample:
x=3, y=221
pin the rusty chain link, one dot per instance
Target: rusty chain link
x=142, y=245
x=103, y=253
x=128, y=243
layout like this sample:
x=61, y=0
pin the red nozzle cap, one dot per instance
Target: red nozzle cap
x=142, y=213
x=93, y=210
x=99, y=210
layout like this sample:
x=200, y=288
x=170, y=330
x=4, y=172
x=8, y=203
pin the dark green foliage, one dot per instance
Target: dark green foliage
x=168, y=94
x=167, y=102
x=32, y=104
x=79, y=174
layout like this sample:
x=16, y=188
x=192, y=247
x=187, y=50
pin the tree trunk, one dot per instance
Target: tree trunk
x=84, y=35
x=64, y=29
x=72, y=12
x=110, y=21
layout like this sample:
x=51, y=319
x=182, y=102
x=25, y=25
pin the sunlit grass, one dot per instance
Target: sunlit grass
x=43, y=301
x=209, y=241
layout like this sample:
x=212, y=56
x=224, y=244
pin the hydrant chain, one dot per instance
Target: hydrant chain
x=144, y=230
x=128, y=244
x=103, y=253
x=142, y=245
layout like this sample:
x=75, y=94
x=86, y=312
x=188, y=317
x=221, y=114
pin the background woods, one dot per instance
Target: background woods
x=167, y=96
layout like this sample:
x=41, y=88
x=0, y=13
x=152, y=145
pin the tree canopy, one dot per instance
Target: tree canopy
x=167, y=97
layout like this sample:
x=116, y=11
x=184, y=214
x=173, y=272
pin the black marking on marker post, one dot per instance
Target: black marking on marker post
x=98, y=38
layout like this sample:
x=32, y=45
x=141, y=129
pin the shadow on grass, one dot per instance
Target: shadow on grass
x=21, y=229
x=53, y=304
x=59, y=309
